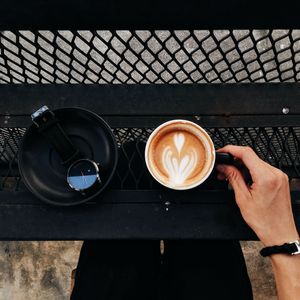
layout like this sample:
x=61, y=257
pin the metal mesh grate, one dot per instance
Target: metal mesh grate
x=279, y=146
x=199, y=56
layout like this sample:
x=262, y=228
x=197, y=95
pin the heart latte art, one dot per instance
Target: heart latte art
x=179, y=167
x=177, y=156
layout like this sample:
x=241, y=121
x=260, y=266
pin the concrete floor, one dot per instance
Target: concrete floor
x=42, y=270
x=37, y=270
x=260, y=272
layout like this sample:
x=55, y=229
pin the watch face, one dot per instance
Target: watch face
x=82, y=174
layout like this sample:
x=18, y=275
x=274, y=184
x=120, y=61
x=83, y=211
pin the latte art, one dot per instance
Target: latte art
x=179, y=154
x=178, y=167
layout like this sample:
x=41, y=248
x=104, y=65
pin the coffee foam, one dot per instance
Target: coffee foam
x=179, y=155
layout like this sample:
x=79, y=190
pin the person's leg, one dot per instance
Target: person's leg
x=118, y=270
x=207, y=270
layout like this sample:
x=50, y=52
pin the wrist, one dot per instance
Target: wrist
x=279, y=239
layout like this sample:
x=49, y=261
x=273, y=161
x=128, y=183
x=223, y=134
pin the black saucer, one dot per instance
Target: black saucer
x=41, y=168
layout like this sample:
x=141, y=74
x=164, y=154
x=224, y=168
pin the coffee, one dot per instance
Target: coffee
x=179, y=154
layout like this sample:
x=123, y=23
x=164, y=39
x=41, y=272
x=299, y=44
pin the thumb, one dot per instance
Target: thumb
x=237, y=182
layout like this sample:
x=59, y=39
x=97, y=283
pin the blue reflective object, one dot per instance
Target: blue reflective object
x=82, y=174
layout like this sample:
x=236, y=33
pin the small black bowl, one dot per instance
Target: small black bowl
x=40, y=165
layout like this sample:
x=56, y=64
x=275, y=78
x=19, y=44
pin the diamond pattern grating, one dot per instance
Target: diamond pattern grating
x=199, y=56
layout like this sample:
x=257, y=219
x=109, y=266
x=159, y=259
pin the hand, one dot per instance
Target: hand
x=266, y=204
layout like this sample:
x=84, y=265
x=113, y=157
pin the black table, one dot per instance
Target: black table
x=150, y=211
x=225, y=81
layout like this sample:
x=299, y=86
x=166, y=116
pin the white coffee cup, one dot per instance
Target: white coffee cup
x=174, y=158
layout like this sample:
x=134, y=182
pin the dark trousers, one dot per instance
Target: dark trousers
x=130, y=270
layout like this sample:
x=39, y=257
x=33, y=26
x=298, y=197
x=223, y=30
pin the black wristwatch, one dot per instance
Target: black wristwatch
x=82, y=173
x=291, y=248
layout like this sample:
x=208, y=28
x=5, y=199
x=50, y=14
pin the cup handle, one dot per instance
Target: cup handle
x=224, y=158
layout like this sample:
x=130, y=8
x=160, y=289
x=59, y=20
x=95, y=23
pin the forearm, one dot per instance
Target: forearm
x=287, y=276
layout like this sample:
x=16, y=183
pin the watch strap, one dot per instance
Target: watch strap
x=291, y=248
x=49, y=126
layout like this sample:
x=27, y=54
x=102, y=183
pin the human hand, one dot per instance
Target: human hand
x=266, y=204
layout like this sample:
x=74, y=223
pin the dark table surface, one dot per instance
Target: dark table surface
x=208, y=212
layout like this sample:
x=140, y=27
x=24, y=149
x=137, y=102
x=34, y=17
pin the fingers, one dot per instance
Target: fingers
x=236, y=180
x=243, y=169
x=255, y=165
